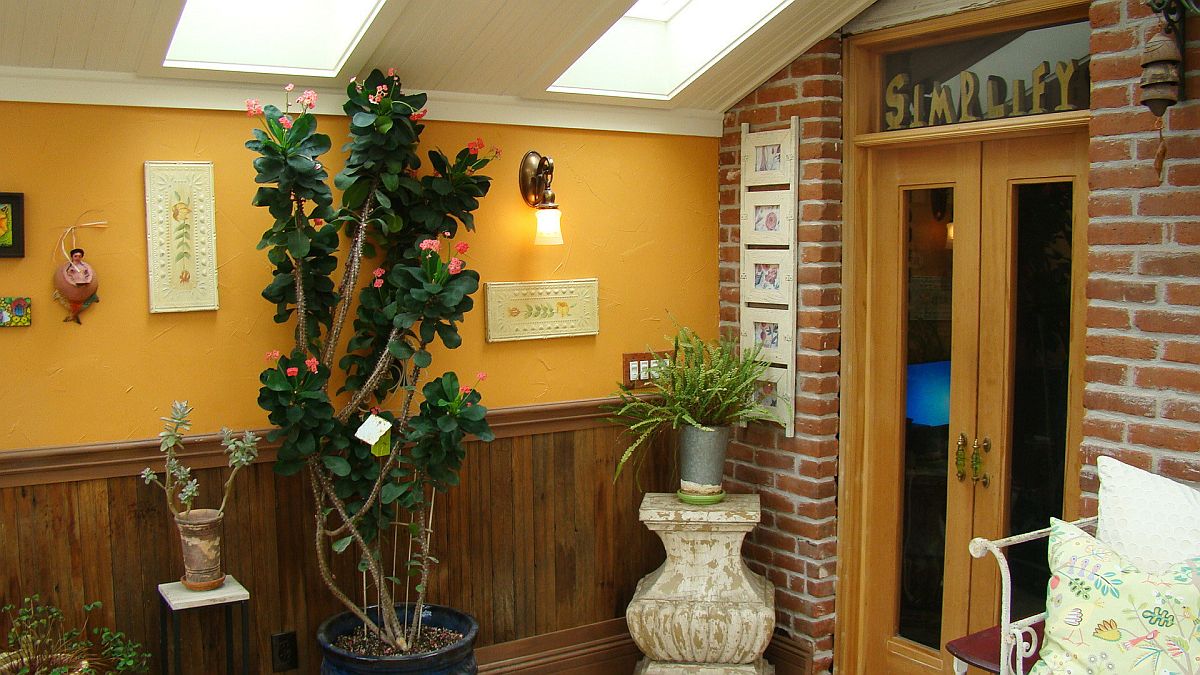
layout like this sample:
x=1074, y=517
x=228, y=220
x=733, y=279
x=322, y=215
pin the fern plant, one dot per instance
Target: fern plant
x=706, y=385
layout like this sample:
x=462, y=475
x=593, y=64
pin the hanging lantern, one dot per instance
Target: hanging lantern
x=1160, y=73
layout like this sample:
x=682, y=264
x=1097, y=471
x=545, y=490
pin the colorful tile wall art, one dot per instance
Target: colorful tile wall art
x=15, y=312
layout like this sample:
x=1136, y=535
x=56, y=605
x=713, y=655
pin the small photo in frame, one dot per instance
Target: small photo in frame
x=772, y=331
x=769, y=157
x=768, y=217
x=12, y=225
x=768, y=276
x=774, y=391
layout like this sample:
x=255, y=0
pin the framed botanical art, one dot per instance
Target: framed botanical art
x=775, y=392
x=768, y=276
x=768, y=218
x=772, y=330
x=181, y=236
x=534, y=310
x=12, y=225
x=769, y=157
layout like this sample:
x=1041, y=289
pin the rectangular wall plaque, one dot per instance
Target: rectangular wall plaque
x=181, y=236
x=532, y=310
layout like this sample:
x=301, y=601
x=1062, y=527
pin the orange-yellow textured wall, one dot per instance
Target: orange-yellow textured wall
x=640, y=214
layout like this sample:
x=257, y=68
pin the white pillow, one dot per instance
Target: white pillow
x=1150, y=521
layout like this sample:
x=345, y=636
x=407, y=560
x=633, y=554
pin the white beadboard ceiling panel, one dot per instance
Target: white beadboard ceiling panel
x=505, y=52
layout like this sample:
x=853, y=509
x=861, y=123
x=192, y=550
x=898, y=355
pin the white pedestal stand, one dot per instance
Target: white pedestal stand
x=703, y=611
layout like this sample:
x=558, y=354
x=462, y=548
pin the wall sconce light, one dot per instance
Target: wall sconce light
x=1162, y=57
x=534, y=177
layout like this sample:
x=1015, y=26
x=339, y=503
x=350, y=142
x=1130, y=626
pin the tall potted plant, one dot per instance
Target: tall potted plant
x=374, y=464
x=703, y=390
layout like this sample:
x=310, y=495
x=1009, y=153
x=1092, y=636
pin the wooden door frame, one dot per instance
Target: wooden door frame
x=862, y=67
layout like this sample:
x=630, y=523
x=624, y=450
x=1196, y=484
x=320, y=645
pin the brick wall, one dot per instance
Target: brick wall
x=795, y=546
x=1142, y=396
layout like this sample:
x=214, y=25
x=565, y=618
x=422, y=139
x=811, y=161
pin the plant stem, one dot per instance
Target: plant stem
x=346, y=288
x=298, y=278
x=426, y=530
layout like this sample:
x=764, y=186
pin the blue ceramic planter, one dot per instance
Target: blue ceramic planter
x=455, y=659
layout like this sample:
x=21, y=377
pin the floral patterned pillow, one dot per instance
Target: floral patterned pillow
x=1104, y=616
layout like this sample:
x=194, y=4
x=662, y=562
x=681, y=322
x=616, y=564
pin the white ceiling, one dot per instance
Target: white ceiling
x=481, y=60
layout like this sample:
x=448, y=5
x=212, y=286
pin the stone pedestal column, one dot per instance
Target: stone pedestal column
x=703, y=611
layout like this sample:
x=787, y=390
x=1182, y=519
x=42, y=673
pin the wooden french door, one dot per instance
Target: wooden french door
x=974, y=317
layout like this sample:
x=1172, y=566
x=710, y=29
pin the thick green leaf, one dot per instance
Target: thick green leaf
x=297, y=244
x=363, y=119
x=338, y=465
x=341, y=544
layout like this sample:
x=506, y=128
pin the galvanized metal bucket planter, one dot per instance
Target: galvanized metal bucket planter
x=200, y=534
x=702, y=464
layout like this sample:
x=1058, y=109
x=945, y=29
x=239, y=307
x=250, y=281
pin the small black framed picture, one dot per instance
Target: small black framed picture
x=12, y=225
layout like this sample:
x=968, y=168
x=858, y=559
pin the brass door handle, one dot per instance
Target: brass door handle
x=960, y=457
x=977, y=474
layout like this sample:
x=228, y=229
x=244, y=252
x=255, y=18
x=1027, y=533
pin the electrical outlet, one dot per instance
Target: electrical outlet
x=637, y=368
x=284, y=652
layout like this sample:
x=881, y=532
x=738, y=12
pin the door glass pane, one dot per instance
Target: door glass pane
x=1040, y=379
x=930, y=225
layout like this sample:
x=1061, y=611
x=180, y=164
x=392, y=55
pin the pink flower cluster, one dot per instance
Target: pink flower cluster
x=475, y=146
x=293, y=371
x=285, y=122
x=253, y=107
x=380, y=94
x=461, y=247
x=419, y=114
x=464, y=389
x=289, y=87
x=307, y=100
x=455, y=266
x=273, y=355
x=431, y=245
x=312, y=364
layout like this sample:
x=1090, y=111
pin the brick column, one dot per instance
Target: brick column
x=795, y=546
x=1142, y=396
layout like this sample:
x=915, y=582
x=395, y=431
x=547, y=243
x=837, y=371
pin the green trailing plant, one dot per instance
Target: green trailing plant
x=177, y=481
x=401, y=215
x=705, y=385
x=39, y=644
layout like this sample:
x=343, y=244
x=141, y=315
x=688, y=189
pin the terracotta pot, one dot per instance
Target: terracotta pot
x=200, y=534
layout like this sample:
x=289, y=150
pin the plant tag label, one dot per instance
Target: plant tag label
x=372, y=429
x=383, y=446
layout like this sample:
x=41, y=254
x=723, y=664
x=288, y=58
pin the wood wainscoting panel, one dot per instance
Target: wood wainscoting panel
x=537, y=539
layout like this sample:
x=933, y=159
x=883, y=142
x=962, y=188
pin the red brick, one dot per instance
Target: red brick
x=1136, y=176
x=819, y=149
x=728, y=275
x=808, y=529
x=1137, y=9
x=809, y=447
x=807, y=110
x=810, y=489
x=1100, y=206
x=729, y=314
x=1104, y=14
x=819, y=233
x=1163, y=377
x=1185, y=411
x=811, y=254
x=775, y=540
x=818, y=550
x=774, y=460
x=1122, y=346
x=752, y=475
x=817, y=510
x=1180, y=468
x=1088, y=506
x=1139, y=458
x=1119, y=96
x=818, y=469
x=776, y=93
x=1184, y=174
x=1185, y=233
x=730, y=294
x=1170, y=264
x=822, y=171
x=1109, y=430
x=818, y=319
x=1183, y=294
x=819, y=274
x=1113, y=41
x=761, y=435
x=822, y=211
x=1121, y=291
x=1121, y=403
x=817, y=363
x=1179, y=147
x=730, y=217
x=1183, y=117
x=1173, y=203
x=1108, y=149
x=758, y=115
x=1107, y=317
x=823, y=87
x=815, y=64
x=1155, y=321
x=824, y=426
x=821, y=129
x=1123, y=121
x=1115, y=67
x=1105, y=373
x=808, y=405
x=819, y=341
x=1163, y=437
x=1182, y=352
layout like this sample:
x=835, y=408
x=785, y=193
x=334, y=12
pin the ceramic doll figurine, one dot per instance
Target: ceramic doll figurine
x=76, y=285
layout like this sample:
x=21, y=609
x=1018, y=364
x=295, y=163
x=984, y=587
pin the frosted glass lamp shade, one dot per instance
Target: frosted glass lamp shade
x=548, y=231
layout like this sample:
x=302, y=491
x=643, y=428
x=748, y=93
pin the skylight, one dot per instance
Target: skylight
x=661, y=46
x=305, y=37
